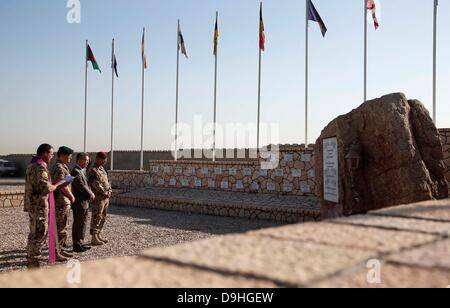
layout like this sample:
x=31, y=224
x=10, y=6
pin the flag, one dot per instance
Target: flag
x=216, y=36
x=262, y=36
x=90, y=57
x=114, y=65
x=313, y=15
x=144, y=56
x=372, y=6
x=181, y=45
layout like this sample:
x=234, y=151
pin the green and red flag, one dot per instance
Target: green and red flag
x=262, y=35
x=90, y=57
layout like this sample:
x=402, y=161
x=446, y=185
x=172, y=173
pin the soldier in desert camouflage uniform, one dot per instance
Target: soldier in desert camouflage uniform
x=98, y=180
x=63, y=198
x=37, y=189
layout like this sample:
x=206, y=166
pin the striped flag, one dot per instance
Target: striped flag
x=144, y=56
x=372, y=6
x=181, y=45
x=90, y=57
x=216, y=35
x=313, y=15
x=262, y=36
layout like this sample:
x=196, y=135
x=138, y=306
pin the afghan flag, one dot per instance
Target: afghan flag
x=216, y=35
x=144, y=56
x=372, y=6
x=313, y=15
x=181, y=45
x=90, y=57
x=262, y=36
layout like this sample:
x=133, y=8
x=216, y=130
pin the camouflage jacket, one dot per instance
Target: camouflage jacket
x=98, y=180
x=36, y=186
x=59, y=171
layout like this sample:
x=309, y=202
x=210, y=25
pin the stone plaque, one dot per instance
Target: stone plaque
x=190, y=170
x=239, y=185
x=224, y=185
x=167, y=169
x=296, y=173
x=155, y=169
x=255, y=186
x=306, y=157
x=150, y=181
x=184, y=183
x=232, y=171
x=312, y=173
x=247, y=172
x=279, y=172
x=205, y=170
x=161, y=182
x=305, y=188
x=330, y=170
x=263, y=173
x=173, y=182
x=218, y=171
x=287, y=187
x=198, y=183
x=289, y=157
x=178, y=170
x=271, y=186
x=211, y=184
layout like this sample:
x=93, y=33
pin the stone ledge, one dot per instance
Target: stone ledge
x=326, y=254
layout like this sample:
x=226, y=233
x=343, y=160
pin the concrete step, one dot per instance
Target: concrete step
x=285, y=209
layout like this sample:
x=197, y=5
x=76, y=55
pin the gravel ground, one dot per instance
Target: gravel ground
x=130, y=230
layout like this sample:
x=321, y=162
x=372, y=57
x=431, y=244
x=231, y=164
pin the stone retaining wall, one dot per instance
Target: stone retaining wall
x=445, y=135
x=294, y=175
x=11, y=198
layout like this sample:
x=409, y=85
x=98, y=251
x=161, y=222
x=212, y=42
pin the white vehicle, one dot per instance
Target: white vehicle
x=7, y=168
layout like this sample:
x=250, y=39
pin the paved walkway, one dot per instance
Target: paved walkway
x=406, y=246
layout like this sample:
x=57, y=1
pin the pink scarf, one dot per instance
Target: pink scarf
x=51, y=223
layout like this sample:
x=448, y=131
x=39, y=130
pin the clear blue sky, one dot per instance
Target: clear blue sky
x=42, y=66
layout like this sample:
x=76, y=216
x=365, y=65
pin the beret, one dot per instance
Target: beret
x=102, y=155
x=65, y=151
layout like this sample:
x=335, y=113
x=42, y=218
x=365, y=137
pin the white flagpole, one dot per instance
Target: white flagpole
x=142, y=112
x=85, y=96
x=112, y=105
x=306, y=71
x=176, y=96
x=215, y=94
x=365, y=50
x=435, y=15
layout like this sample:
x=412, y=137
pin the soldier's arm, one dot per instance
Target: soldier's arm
x=59, y=177
x=97, y=187
x=44, y=184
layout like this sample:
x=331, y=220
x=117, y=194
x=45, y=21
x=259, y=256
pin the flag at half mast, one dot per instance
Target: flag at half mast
x=313, y=15
x=181, y=45
x=90, y=57
x=372, y=7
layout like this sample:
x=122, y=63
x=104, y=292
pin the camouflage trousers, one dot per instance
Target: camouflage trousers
x=62, y=213
x=38, y=231
x=99, y=212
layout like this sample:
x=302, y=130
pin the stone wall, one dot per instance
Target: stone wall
x=445, y=136
x=11, y=198
x=294, y=175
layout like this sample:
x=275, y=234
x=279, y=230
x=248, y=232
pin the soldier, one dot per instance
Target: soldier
x=98, y=180
x=37, y=189
x=63, y=198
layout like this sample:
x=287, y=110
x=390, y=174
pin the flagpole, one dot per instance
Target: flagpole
x=365, y=50
x=306, y=71
x=435, y=15
x=176, y=96
x=215, y=95
x=112, y=105
x=142, y=113
x=259, y=89
x=85, y=96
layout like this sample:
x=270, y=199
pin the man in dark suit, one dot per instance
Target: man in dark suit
x=83, y=195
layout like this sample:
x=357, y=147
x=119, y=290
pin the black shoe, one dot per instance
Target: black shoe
x=79, y=249
x=87, y=247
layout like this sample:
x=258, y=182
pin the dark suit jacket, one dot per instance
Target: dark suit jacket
x=80, y=188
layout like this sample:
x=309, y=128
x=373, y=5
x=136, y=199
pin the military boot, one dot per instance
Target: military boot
x=66, y=254
x=103, y=239
x=96, y=240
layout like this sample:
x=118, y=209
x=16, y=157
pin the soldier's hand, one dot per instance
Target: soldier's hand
x=92, y=197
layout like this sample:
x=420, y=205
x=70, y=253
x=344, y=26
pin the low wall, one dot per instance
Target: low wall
x=294, y=175
x=445, y=135
x=11, y=198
